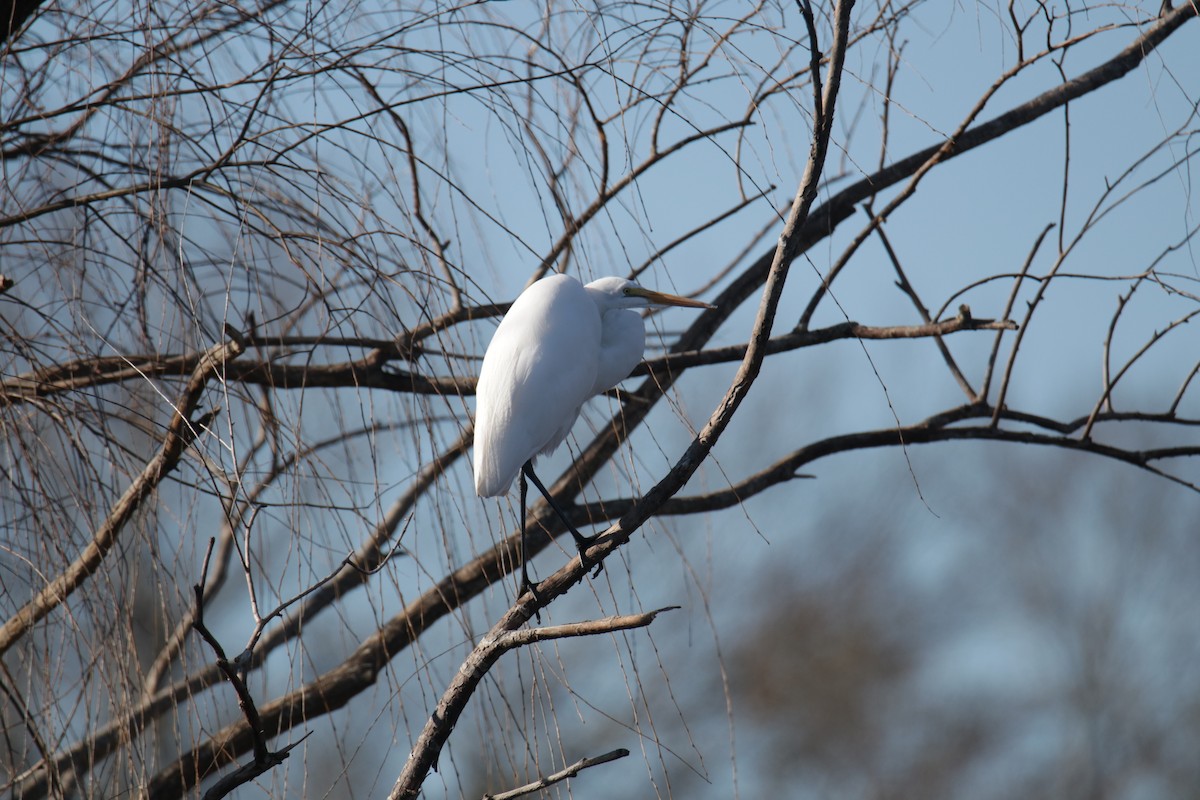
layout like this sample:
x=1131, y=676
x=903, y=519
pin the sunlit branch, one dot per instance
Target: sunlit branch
x=943, y=427
x=795, y=340
x=376, y=370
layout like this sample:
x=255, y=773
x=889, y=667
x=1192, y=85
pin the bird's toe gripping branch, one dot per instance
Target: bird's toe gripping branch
x=583, y=543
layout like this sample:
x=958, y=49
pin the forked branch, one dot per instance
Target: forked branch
x=498, y=641
x=264, y=758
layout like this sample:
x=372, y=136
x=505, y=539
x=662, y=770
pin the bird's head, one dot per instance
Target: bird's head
x=624, y=293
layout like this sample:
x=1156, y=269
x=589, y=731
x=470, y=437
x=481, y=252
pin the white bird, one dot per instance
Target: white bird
x=559, y=344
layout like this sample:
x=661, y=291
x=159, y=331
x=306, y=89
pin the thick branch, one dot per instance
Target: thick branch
x=373, y=370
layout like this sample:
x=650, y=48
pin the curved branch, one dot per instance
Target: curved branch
x=557, y=777
x=930, y=431
x=499, y=640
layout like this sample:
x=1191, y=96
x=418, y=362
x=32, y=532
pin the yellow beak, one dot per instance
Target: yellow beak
x=663, y=299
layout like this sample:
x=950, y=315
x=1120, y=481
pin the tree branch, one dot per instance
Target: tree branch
x=499, y=640
x=325, y=695
x=13, y=16
x=796, y=339
x=452, y=590
x=373, y=371
x=265, y=759
x=561, y=775
x=180, y=434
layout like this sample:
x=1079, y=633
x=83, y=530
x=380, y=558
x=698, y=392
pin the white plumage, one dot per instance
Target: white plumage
x=560, y=343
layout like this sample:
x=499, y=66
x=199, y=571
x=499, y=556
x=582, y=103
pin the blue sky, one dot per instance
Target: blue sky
x=993, y=562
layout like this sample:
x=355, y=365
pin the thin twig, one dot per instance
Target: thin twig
x=908, y=289
x=1019, y=279
x=561, y=775
x=1106, y=397
x=264, y=758
x=1183, y=389
x=796, y=339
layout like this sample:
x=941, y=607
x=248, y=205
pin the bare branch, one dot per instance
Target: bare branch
x=171, y=172
x=499, y=640
x=562, y=775
x=180, y=434
x=264, y=758
x=796, y=339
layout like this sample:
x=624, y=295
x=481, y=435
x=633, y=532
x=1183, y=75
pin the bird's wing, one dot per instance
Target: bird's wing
x=538, y=370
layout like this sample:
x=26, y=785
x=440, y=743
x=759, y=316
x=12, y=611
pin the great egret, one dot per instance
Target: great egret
x=559, y=344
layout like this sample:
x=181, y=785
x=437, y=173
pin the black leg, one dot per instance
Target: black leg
x=525, y=582
x=582, y=542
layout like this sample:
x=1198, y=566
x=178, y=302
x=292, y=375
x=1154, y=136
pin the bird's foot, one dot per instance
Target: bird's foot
x=531, y=587
x=583, y=543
